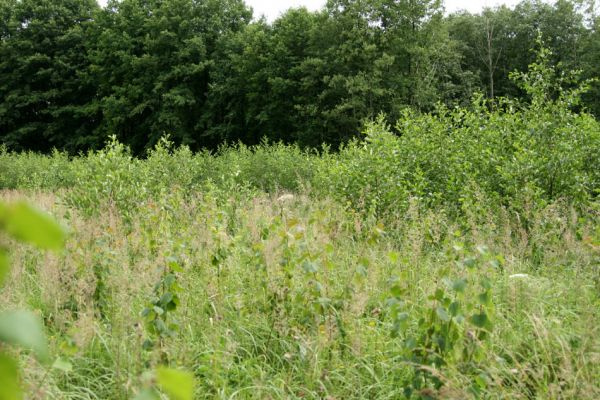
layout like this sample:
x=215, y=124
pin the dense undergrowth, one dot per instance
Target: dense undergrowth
x=511, y=156
x=302, y=298
x=457, y=260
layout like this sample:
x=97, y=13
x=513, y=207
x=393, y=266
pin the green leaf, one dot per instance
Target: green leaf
x=148, y=345
x=484, y=298
x=158, y=310
x=480, y=320
x=310, y=267
x=364, y=262
x=4, y=265
x=27, y=224
x=9, y=379
x=170, y=279
x=174, y=266
x=166, y=299
x=160, y=326
x=24, y=329
x=396, y=291
x=179, y=385
x=62, y=365
x=439, y=294
x=470, y=262
x=459, y=285
x=393, y=257
x=148, y=315
x=147, y=394
x=402, y=320
x=454, y=309
x=442, y=314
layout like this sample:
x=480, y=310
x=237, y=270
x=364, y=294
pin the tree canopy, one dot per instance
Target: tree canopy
x=204, y=72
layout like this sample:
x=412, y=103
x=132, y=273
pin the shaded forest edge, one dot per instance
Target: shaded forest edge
x=505, y=153
x=204, y=73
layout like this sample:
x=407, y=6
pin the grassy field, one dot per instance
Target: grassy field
x=286, y=296
x=456, y=258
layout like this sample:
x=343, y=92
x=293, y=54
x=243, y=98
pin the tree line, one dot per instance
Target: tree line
x=206, y=73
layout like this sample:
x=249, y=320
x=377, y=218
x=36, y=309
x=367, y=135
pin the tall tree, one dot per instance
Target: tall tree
x=590, y=60
x=484, y=40
x=152, y=63
x=499, y=41
x=42, y=55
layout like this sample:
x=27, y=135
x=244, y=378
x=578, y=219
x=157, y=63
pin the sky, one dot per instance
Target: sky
x=273, y=8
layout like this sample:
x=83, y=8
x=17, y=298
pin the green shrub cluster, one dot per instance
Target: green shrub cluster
x=509, y=154
x=31, y=170
x=457, y=259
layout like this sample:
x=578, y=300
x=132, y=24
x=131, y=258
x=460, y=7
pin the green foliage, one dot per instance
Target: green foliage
x=178, y=385
x=43, y=60
x=25, y=330
x=157, y=315
x=515, y=154
x=453, y=328
x=26, y=224
x=73, y=74
x=150, y=61
x=22, y=328
x=34, y=171
x=108, y=176
x=4, y=264
x=9, y=379
x=289, y=254
x=294, y=296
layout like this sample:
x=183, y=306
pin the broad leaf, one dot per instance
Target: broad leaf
x=24, y=329
x=179, y=385
x=481, y=320
x=442, y=314
x=27, y=224
x=459, y=285
x=9, y=379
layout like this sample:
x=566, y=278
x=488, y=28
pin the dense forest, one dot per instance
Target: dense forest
x=206, y=73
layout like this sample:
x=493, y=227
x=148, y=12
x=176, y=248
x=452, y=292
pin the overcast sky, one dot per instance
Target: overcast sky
x=273, y=8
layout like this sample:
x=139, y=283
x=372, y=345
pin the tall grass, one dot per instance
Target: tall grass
x=295, y=299
x=455, y=258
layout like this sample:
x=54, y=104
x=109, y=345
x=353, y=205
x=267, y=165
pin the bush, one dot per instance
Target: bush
x=34, y=171
x=514, y=154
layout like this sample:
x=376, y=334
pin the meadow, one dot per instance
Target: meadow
x=457, y=259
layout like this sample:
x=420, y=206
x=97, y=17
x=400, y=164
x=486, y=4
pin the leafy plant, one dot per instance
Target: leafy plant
x=158, y=313
x=177, y=384
x=452, y=327
x=22, y=328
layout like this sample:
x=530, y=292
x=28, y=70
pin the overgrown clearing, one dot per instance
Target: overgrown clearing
x=298, y=299
x=459, y=259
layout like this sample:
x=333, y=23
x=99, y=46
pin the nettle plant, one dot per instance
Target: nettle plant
x=158, y=313
x=453, y=326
